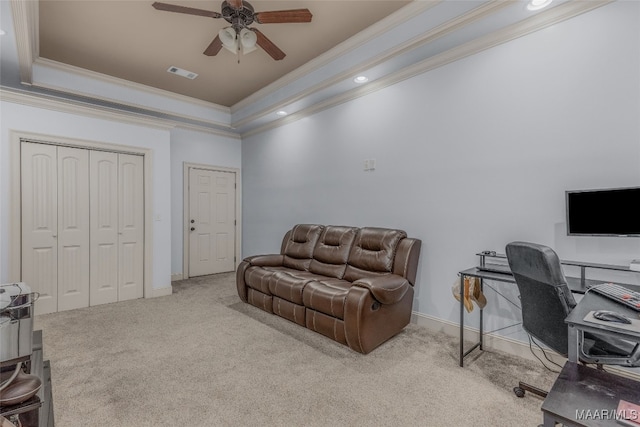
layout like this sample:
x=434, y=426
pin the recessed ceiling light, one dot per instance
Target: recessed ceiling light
x=2, y=33
x=538, y=4
x=281, y=113
x=361, y=79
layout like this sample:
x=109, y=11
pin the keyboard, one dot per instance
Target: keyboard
x=619, y=294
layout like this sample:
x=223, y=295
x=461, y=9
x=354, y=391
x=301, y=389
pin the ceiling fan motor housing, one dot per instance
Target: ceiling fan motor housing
x=239, y=18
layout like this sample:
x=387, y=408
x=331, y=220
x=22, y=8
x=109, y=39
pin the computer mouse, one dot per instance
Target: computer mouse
x=611, y=316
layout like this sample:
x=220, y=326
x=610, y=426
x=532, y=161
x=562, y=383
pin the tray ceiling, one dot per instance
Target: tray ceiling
x=131, y=40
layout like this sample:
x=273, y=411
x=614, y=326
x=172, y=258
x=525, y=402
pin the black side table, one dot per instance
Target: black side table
x=584, y=396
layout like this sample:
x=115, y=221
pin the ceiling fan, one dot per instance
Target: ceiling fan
x=240, y=14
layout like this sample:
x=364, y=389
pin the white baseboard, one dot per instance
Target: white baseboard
x=176, y=276
x=498, y=343
x=161, y=292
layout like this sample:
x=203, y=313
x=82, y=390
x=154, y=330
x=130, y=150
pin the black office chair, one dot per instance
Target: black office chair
x=546, y=301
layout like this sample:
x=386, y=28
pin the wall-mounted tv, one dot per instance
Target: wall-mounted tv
x=611, y=212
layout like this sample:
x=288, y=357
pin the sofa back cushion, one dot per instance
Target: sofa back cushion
x=373, y=252
x=298, y=250
x=332, y=251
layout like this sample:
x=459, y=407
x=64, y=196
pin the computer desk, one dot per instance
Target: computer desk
x=579, y=390
x=578, y=285
x=577, y=325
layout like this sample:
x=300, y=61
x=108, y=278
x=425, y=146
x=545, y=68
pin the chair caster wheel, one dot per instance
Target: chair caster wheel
x=518, y=391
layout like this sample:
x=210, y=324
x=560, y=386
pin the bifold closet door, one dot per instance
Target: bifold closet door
x=131, y=226
x=104, y=227
x=73, y=228
x=117, y=227
x=55, y=225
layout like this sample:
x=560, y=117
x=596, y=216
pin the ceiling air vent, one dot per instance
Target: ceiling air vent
x=184, y=73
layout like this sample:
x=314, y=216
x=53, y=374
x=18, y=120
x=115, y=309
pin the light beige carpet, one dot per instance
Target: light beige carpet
x=201, y=357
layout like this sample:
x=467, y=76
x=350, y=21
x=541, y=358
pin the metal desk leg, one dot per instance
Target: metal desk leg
x=481, y=322
x=461, y=320
x=574, y=344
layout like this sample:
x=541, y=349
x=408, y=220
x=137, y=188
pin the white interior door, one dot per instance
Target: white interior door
x=131, y=226
x=212, y=221
x=104, y=227
x=73, y=228
x=39, y=187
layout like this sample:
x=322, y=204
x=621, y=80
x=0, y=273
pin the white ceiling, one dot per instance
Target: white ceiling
x=68, y=61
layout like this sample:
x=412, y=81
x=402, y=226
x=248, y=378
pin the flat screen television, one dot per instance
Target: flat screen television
x=611, y=212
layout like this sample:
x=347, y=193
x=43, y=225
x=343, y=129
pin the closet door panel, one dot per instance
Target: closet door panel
x=131, y=231
x=40, y=223
x=103, y=182
x=73, y=228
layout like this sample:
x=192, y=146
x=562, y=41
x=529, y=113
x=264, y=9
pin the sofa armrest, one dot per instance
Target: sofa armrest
x=387, y=289
x=266, y=260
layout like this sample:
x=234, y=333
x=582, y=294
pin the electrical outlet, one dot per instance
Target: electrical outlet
x=366, y=165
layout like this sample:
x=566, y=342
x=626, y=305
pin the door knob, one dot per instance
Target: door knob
x=193, y=229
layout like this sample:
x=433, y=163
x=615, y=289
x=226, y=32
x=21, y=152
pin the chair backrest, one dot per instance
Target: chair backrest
x=545, y=297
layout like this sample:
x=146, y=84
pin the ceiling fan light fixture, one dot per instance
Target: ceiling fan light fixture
x=538, y=4
x=248, y=40
x=228, y=39
x=361, y=79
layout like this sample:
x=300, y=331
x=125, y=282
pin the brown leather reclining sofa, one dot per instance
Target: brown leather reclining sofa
x=353, y=285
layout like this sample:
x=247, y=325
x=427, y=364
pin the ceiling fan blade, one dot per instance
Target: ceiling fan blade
x=214, y=47
x=235, y=4
x=268, y=46
x=283, y=16
x=184, y=9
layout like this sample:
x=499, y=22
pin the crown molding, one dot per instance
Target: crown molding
x=106, y=113
x=82, y=72
x=535, y=23
x=424, y=38
x=398, y=17
x=125, y=104
x=26, y=27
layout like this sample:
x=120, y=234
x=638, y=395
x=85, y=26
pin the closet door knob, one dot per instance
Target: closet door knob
x=193, y=229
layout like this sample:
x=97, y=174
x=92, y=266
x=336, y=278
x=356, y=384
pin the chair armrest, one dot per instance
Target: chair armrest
x=266, y=260
x=387, y=289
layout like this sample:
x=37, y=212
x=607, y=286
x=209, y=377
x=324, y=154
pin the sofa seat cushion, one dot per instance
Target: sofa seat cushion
x=287, y=287
x=326, y=296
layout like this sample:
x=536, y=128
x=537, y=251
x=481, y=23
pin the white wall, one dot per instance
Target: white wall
x=30, y=119
x=470, y=156
x=194, y=147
